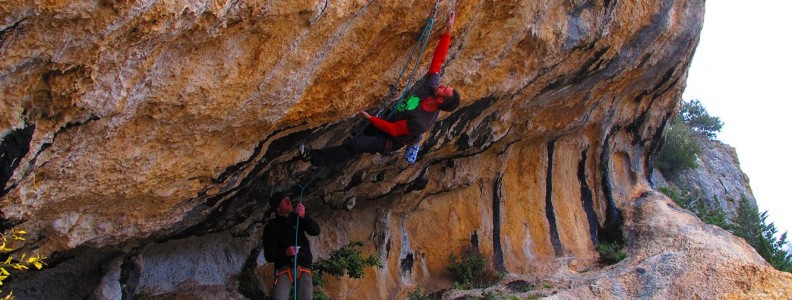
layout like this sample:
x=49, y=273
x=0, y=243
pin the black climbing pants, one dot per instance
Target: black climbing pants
x=377, y=143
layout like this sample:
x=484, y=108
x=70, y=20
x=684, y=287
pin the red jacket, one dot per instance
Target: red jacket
x=413, y=119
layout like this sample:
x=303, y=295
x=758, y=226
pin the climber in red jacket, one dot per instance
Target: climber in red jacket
x=413, y=117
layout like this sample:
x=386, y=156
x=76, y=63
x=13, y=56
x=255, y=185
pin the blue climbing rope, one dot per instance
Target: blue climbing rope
x=297, y=224
x=422, y=42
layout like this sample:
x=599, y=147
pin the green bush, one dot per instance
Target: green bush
x=611, y=253
x=345, y=260
x=490, y=295
x=682, y=145
x=417, y=294
x=467, y=269
x=680, y=150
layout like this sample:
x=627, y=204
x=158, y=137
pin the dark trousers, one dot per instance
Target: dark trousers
x=376, y=143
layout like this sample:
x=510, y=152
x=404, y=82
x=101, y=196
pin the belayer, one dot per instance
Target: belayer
x=406, y=126
x=278, y=239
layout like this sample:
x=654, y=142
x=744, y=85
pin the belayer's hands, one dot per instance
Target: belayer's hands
x=292, y=251
x=300, y=210
x=450, y=20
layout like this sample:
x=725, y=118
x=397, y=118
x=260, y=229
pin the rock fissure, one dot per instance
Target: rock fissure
x=7, y=31
x=14, y=146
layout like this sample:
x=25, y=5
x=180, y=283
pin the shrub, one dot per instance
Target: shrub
x=682, y=145
x=345, y=260
x=417, y=294
x=679, y=151
x=490, y=295
x=10, y=263
x=611, y=253
x=467, y=269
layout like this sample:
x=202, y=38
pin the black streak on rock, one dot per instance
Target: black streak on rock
x=612, y=232
x=418, y=184
x=284, y=144
x=549, y=212
x=453, y=125
x=587, y=199
x=356, y=180
x=587, y=70
x=407, y=263
x=497, y=194
x=13, y=148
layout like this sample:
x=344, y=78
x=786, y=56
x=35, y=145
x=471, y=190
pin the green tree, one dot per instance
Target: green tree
x=682, y=146
x=680, y=150
x=752, y=226
x=696, y=117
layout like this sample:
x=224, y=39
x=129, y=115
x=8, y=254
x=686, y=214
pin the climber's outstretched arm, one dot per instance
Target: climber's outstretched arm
x=442, y=46
x=397, y=128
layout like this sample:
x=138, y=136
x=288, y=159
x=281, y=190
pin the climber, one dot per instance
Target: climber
x=278, y=239
x=412, y=118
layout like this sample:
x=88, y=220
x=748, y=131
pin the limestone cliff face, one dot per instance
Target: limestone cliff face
x=718, y=179
x=140, y=138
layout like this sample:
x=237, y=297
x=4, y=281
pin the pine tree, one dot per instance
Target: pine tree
x=699, y=120
x=752, y=226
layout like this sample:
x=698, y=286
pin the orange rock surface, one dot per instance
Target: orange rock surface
x=130, y=123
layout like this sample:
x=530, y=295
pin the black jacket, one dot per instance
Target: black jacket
x=278, y=235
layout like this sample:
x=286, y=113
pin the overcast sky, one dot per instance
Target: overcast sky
x=741, y=73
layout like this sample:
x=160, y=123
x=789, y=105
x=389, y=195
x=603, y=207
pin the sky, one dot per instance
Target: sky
x=741, y=72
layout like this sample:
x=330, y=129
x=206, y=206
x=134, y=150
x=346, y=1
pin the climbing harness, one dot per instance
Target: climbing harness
x=288, y=271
